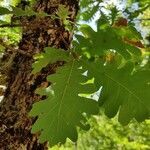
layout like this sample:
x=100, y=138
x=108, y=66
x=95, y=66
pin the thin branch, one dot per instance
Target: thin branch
x=142, y=19
x=10, y=25
x=24, y=25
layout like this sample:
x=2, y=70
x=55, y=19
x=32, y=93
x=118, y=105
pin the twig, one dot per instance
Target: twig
x=142, y=19
x=24, y=25
x=10, y=25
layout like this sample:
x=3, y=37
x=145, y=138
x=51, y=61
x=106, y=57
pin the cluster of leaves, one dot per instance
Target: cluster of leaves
x=110, y=134
x=63, y=109
x=13, y=35
x=62, y=13
x=110, y=58
x=108, y=37
x=9, y=35
x=110, y=55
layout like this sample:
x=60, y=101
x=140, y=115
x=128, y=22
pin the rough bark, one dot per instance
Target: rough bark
x=15, y=124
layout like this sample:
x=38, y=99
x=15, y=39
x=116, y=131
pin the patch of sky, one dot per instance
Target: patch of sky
x=121, y=5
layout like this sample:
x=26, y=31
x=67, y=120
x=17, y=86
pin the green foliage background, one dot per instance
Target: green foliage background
x=109, y=134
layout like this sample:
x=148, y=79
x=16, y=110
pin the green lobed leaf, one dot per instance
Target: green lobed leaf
x=50, y=56
x=122, y=90
x=62, y=112
x=105, y=38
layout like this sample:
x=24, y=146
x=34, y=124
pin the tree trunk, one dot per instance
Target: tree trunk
x=15, y=124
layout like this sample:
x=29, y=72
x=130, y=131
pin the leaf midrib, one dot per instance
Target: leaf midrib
x=64, y=92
